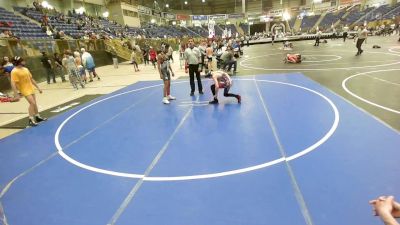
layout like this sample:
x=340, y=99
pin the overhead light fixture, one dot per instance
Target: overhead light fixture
x=45, y=4
x=167, y=5
x=81, y=10
x=152, y=20
x=185, y=2
x=106, y=14
x=286, y=16
x=203, y=1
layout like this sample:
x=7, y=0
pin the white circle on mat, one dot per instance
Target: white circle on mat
x=395, y=49
x=243, y=64
x=344, y=85
x=334, y=58
x=199, y=176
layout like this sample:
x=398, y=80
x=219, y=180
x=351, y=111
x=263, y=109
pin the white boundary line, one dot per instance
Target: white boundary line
x=315, y=69
x=202, y=176
x=393, y=51
x=344, y=82
x=327, y=60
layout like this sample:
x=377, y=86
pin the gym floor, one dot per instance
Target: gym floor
x=306, y=146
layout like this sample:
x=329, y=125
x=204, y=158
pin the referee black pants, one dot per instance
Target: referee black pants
x=359, y=44
x=194, y=68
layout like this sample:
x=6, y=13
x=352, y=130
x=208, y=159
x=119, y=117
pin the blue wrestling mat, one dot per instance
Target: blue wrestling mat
x=292, y=153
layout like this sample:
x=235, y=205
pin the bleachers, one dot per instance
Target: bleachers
x=291, y=22
x=331, y=18
x=245, y=28
x=231, y=27
x=379, y=13
x=21, y=27
x=199, y=31
x=355, y=15
x=69, y=29
x=27, y=30
x=393, y=13
x=309, y=21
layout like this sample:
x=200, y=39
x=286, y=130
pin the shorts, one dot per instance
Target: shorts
x=166, y=76
x=223, y=85
x=90, y=70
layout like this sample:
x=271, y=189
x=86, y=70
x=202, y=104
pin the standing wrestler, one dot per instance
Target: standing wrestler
x=164, y=68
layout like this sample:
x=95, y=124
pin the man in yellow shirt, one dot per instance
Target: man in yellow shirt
x=22, y=81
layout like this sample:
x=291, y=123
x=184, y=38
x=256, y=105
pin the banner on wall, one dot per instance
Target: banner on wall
x=349, y=2
x=169, y=16
x=199, y=17
x=156, y=13
x=144, y=10
x=217, y=17
x=236, y=15
x=182, y=17
x=211, y=30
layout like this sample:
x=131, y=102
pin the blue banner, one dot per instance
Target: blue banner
x=199, y=17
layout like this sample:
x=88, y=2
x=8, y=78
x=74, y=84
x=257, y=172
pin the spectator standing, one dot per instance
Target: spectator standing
x=69, y=64
x=114, y=57
x=345, y=32
x=317, y=37
x=170, y=52
x=153, y=56
x=47, y=64
x=88, y=63
x=7, y=67
x=145, y=54
x=59, y=66
x=134, y=60
x=228, y=60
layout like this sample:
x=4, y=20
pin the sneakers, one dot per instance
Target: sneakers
x=170, y=97
x=40, y=119
x=239, y=98
x=32, y=123
x=165, y=100
x=201, y=92
x=215, y=101
x=191, y=93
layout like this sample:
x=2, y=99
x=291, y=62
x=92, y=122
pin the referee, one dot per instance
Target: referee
x=361, y=37
x=192, y=57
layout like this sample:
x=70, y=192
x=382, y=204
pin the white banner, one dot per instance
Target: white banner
x=144, y=10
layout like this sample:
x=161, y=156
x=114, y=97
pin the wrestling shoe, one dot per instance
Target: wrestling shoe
x=32, y=123
x=40, y=119
x=165, y=100
x=239, y=98
x=215, y=101
x=170, y=97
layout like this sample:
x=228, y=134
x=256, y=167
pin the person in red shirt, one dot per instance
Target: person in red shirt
x=153, y=56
